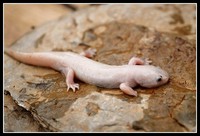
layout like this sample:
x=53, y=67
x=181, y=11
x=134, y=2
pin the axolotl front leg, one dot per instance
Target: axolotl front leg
x=126, y=87
x=138, y=61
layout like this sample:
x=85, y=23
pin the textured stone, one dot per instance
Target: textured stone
x=117, y=32
x=18, y=119
x=18, y=20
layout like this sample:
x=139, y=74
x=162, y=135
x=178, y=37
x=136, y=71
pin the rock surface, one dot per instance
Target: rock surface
x=18, y=20
x=17, y=118
x=118, y=32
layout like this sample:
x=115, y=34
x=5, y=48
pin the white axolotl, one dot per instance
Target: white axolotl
x=137, y=72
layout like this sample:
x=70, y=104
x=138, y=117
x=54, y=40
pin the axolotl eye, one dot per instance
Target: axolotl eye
x=159, y=79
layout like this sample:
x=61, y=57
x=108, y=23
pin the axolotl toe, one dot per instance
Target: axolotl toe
x=125, y=77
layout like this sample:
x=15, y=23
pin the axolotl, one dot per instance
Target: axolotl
x=126, y=77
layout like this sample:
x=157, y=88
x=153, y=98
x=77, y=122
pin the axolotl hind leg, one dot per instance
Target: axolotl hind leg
x=89, y=53
x=69, y=74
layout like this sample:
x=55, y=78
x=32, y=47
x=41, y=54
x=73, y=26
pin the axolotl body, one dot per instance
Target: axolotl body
x=125, y=77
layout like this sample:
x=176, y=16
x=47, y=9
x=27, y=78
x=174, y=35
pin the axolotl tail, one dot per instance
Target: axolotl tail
x=38, y=59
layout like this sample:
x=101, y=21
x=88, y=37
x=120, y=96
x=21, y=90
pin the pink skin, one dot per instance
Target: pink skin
x=137, y=72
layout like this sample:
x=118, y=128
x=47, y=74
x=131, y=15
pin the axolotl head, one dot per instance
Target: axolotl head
x=152, y=76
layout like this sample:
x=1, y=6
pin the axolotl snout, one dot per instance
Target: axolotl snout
x=125, y=77
x=151, y=76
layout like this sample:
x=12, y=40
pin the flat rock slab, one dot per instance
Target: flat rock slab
x=163, y=33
